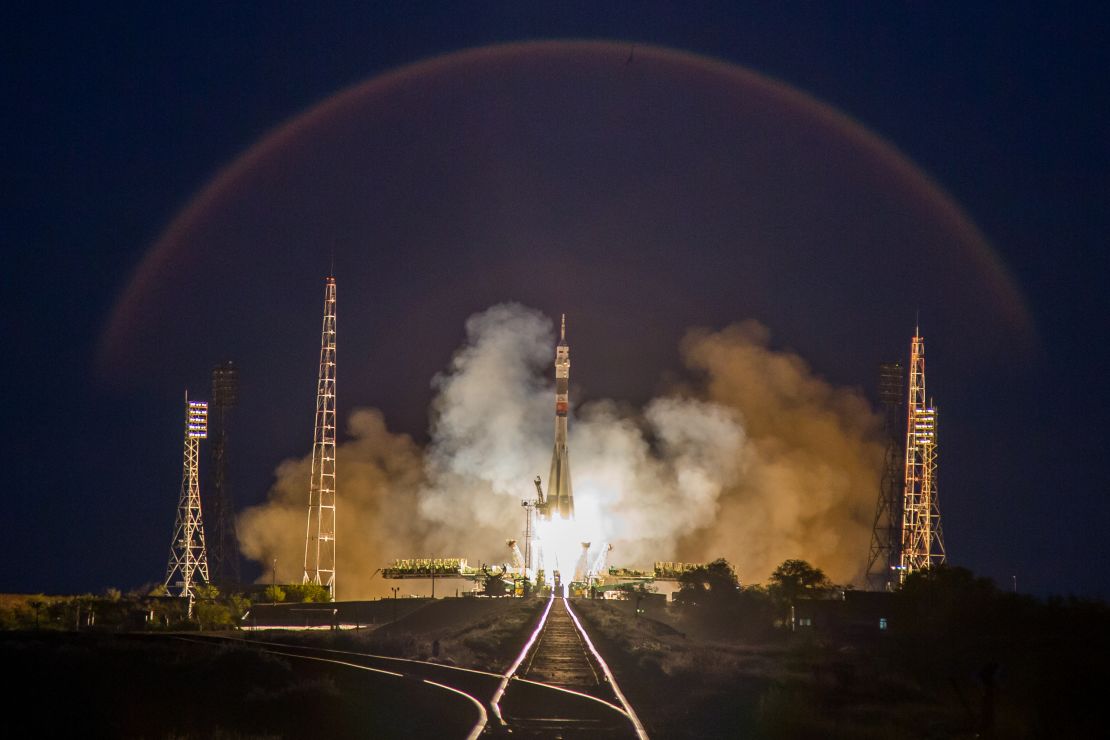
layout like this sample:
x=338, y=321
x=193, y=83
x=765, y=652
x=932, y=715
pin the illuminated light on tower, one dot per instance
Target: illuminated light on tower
x=319, y=548
x=221, y=506
x=883, y=558
x=922, y=539
x=188, y=559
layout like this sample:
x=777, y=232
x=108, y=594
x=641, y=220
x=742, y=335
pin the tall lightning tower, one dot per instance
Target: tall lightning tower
x=883, y=558
x=922, y=540
x=188, y=558
x=225, y=540
x=319, y=548
x=560, y=496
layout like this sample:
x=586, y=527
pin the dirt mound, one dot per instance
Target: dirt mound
x=452, y=616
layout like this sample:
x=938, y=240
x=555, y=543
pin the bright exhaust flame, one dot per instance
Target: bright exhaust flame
x=560, y=545
x=559, y=542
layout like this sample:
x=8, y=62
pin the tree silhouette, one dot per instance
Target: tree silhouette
x=797, y=578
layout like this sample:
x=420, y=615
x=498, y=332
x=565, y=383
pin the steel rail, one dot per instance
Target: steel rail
x=414, y=661
x=480, y=726
x=335, y=662
x=475, y=731
x=495, y=702
x=372, y=656
x=356, y=654
x=505, y=678
x=640, y=732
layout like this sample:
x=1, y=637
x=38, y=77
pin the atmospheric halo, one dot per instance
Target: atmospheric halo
x=517, y=165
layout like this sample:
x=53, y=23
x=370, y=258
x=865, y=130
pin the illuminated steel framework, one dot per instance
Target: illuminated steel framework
x=319, y=549
x=188, y=563
x=884, y=555
x=221, y=505
x=922, y=538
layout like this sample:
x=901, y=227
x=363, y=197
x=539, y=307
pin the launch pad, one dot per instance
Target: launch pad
x=552, y=542
x=561, y=555
x=592, y=583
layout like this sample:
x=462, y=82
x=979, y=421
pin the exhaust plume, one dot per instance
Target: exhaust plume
x=812, y=461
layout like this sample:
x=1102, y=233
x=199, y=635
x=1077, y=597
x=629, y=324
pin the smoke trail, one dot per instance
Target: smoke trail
x=758, y=461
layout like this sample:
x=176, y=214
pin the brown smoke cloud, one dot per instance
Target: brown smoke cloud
x=377, y=475
x=811, y=467
x=757, y=460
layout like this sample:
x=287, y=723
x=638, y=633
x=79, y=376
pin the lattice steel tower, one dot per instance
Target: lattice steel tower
x=319, y=548
x=922, y=539
x=883, y=557
x=188, y=559
x=224, y=549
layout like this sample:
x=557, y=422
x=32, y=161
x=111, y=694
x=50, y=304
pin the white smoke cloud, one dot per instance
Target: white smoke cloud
x=489, y=419
x=758, y=462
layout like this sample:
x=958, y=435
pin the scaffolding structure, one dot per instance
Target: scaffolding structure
x=922, y=538
x=527, y=567
x=188, y=562
x=319, y=550
x=884, y=554
x=532, y=508
x=224, y=551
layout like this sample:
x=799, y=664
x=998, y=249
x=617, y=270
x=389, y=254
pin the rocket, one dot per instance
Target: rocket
x=560, y=497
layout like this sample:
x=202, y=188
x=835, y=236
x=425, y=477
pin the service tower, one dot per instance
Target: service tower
x=560, y=496
x=922, y=539
x=225, y=540
x=319, y=547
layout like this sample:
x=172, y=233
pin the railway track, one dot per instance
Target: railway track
x=560, y=654
x=561, y=657
x=559, y=685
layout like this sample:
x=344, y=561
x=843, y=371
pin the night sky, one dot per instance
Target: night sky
x=960, y=169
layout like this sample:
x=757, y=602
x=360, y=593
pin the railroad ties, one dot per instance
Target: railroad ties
x=587, y=707
x=561, y=657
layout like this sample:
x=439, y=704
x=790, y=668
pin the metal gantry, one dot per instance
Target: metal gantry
x=188, y=559
x=922, y=539
x=883, y=558
x=531, y=546
x=225, y=540
x=319, y=550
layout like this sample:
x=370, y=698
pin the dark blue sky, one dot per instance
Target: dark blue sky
x=114, y=118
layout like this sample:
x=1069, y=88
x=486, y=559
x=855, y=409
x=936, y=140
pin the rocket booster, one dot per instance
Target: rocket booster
x=560, y=496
